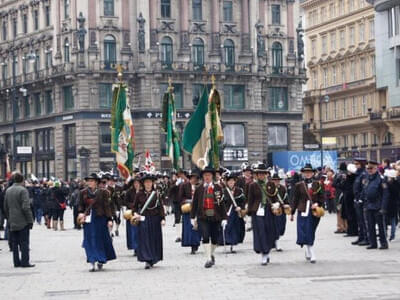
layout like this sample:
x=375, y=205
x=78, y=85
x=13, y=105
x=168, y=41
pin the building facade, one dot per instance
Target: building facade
x=63, y=54
x=342, y=94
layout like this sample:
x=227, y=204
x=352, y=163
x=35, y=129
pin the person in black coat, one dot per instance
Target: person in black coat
x=393, y=182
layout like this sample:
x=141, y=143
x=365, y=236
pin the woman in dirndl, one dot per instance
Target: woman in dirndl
x=96, y=216
x=234, y=232
x=280, y=220
x=149, y=212
x=263, y=221
x=132, y=231
x=308, y=195
x=191, y=236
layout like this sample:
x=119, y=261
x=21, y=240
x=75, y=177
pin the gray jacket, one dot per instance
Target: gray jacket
x=17, y=207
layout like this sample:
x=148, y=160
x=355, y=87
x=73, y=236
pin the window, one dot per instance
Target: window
x=197, y=10
x=105, y=137
x=342, y=39
x=15, y=27
x=66, y=51
x=351, y=36
x=277, y=59
x=375, y=139
x=25, y=23
x=105, y=95
x=341, y=7
x=323, y=43
x=335, y=110
x=345, y=141
x=234, y=135
x=49, y=101
x=4, y=71
x=166, y=51
x=315, y=79
x=25, y=64
x=353, y=106
x=332, y=11
x=165, y=8
x=371, y=29
x=228, y=11
x=66, y=9
x=277, y=135
x=37, y=103
x=343, y=69
x=355, y=140
x=361, y=3
x=45, y=140
x=361, y=29
x=352, y=70
x=178, y=93
x=351, y=5
x=362, y=68
x=36, y=65
x=373, y=65
x=197, y=90
x=36, y=19
x=49, y=58
x=4, y=33
x=333, y=41
x=47, y=15
x=325, y=72
x=364, y=105
x=109, y=7
x=387, y=139
x=278, y=99
x=276, y=14
x=110, y=52
x=198, y=52
x=68, y=98
x=344, y=109
x=326, y=106
x=314, y=48
x=27, y=107
x=229, y=51
x=234, y=97
x=334, y=81
x=365, y=138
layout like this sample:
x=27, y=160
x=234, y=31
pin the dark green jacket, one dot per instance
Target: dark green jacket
x=17, y=207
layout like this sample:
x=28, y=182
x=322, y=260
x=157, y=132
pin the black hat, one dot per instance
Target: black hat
x=373, y=163
x=192, y=173
x=136, y=170
x=261, y=168
x=220, y=170
x=93, y=176
x=136, y=178
x=360, y=159
x=147, y=176
x=230, y=175
x=276, y=177
x=343, y=166
x=208, y=170
x=307, y=167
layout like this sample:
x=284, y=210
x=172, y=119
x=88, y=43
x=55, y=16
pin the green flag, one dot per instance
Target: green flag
x=168, y=125
x=122, y=131
x=203, y=132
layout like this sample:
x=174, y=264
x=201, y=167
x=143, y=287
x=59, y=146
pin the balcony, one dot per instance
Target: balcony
x=281, y=71
x=375, y=116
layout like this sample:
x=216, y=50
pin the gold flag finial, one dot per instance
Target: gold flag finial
x=170, y=86
x=119, y=72
x=213, y=81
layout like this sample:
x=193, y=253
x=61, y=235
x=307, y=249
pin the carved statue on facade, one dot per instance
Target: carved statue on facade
x=300, y=42
x=260, y=40
x=81, y=32
x=141, y=33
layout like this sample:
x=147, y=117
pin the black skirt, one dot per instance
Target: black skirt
x=150, y=244
x=264, y=232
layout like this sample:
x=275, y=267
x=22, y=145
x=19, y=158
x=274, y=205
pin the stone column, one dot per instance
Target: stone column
x=125, y=25
x=261, y=7
x=153, y=24
x=58, y=30
x=245, y=35
x=184, y=26
x=215, y=37
x=92, y=24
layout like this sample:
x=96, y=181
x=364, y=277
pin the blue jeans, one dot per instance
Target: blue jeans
x=393, y=224
x=38, y=214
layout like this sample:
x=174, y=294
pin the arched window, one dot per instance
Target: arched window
x=198, y=52
x=229, y=54
x=66, y=51
x=110, y=52
x=166, y=51
x=276, y=57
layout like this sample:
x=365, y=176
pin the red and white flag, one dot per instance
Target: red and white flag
x=8, y=168
x=149, y=165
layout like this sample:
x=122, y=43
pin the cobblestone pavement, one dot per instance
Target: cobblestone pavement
x=342, y=271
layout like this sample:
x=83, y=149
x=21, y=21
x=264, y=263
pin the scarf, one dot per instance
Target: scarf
x=263, y=188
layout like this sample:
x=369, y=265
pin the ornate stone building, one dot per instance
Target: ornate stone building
x=64, y=53
x=341, y=89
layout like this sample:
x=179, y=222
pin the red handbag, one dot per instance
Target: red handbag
x=63, y=205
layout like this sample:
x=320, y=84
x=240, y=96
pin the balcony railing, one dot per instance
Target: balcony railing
x=375, y=116
x=281, y=71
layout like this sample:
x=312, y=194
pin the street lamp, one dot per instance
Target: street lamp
x=324, y=99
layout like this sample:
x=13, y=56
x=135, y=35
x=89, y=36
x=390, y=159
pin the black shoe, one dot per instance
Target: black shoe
x=116, y=233
x=213, y=259
x=193, y=252
x=363, y=243
x=350, y=235
x=384, y=247
x=371, y=247
x=147, y=266
x=27, y=266
x=355, y=242
x=178, y=240
x=17, y=266
x=339, y=232
x=134, y=253
x=99, y=266
x=208, y=264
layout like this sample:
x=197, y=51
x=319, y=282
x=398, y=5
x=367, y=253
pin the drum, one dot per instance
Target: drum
x=186, y=208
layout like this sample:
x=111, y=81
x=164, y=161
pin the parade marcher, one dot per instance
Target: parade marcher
x=190, y=236
x=376, y=195
x=244, y=182
x=361, y=176
x=20, y=220
x=149, y=212
x=96, y=216
x=329, y=191
x=235, y=202
x=74, y=203
x=59, y=205
x=174, y=199
x=47, y=203
x=132, y=231
x=280, y=220
x=392, y=180
x=308, y=195
x=114, y=192
x=37, y=203
x=339, y=195
x=260, y=209
x=208, y=210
